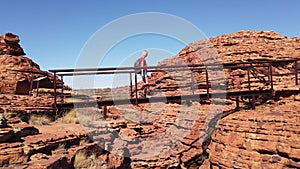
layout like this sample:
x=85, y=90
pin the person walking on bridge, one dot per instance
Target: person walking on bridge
x=143, y=65
x=141, y=68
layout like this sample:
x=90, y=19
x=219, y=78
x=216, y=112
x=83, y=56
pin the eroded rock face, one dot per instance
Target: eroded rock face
x=12, y=61
x=254, y=138
x=237, y=47
x=264, y=138
x=244, y=46
x=9, y=44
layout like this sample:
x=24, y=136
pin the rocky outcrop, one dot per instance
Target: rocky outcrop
x=17, y=71
x=162, y=135
x=20, y=105
x=9, y=44
x=237, y=47
x=242, y=46
x=28, y=143
x=267, y=137
x=156, y=135
x=249, y=138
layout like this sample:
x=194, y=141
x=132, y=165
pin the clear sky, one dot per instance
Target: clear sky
x=53, y=32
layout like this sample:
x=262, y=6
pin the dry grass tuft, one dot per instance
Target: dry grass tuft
x=70, y=117
x=88, y=115
x=84, y=141
x=84, y=160
x=61, y=146
x=18, y=159
x=39, y=120
x=83, y=116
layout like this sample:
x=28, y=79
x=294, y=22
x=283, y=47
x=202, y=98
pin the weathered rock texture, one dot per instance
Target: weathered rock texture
x=263, y=138
x=163, y=135
x=12, y=61
x=237, y=47
x=267, y=137
x=9, y=44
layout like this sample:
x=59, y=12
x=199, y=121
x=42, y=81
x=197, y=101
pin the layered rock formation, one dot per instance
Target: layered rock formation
x=245, y=139
x=163, y=135
x=12, y=61
x=9, y=44
x=249, y=138
x=264, y=138
x=242, y=46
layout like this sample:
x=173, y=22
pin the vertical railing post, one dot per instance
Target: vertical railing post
x=253, y=102
x=237, y=103
x=37, y=87
x=54, y=88
x=136, y=91
x=207, y=87
x=271, y=77
x=248, y=73
x=249, y=84
x=105, y=111
x=296, y=71
x=31, y=86
x=130, y=85
x=193, y=81
x=62, y=89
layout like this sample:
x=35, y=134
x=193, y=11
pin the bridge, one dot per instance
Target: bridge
x=250, y=71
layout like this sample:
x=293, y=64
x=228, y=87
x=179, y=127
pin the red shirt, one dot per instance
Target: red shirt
x=143, y=64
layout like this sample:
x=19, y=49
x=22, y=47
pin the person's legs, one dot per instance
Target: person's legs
x=145, y=86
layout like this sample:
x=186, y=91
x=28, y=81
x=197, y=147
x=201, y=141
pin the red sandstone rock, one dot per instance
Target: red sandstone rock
x=267, y=136
x=240, y=46
x=15, y=68
x=264, y=138
x=9, y=44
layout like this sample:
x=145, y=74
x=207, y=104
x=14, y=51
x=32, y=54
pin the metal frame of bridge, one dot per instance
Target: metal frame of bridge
x=192, y=68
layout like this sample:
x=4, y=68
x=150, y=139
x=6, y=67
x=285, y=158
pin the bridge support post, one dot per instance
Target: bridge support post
x=271, y=78
x=253, y=102
x=296, y=71
x=105, y=111
x=31, y=86
x=207, y=87
x=54, y=88
x=130, y=85
x=37, y=88
x=62, y=89
x=237, y=102
x=193, y=81
x=136, y=89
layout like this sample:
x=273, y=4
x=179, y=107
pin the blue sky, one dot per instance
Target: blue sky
x=54, y=32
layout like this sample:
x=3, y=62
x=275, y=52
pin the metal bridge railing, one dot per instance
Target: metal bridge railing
x=249, y=67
